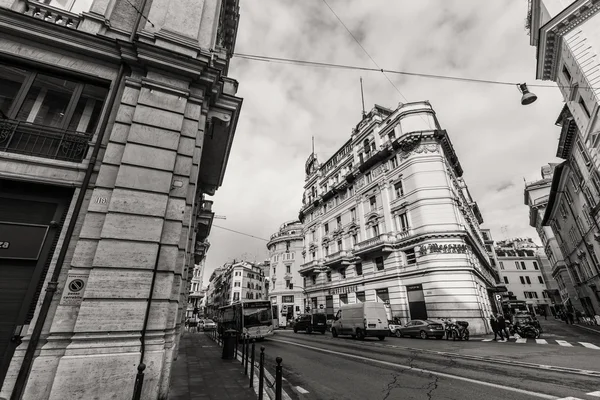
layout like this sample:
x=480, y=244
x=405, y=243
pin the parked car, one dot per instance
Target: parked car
x=421, y=328
x=361, y=320
x=209, y=325
x=310, y=323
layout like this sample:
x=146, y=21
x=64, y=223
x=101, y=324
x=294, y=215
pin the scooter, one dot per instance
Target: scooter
x=457, y=330
x=524, y=330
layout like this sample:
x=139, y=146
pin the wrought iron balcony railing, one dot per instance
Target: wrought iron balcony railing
x=43, y=141
x=381, y=242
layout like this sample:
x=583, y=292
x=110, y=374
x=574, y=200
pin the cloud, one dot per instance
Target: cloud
x=497, y=140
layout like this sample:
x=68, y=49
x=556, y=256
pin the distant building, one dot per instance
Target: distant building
x=233, y=282
x=521, y=266
x=536, y=197
x=286, y=284
x=565, y=34
x=196, y=291
x=389, y=218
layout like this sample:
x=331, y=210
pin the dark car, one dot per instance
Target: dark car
x=310, y=323
x=422, y=329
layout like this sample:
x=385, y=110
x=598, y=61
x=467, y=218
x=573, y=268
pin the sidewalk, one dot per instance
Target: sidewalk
x=199, y=373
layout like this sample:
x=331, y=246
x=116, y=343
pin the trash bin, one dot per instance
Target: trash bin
x=229, y=338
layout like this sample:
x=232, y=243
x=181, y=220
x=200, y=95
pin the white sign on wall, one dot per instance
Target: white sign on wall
x=73, y=292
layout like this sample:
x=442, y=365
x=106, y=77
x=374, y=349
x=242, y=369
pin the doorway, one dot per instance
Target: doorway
x=416, y=302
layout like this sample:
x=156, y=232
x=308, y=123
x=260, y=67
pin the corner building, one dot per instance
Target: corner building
x=287, y=287
x=116, y=120
x=389, y=218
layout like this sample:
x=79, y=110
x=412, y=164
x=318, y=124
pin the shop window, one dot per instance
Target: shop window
x=360, y=297
x=344, y=298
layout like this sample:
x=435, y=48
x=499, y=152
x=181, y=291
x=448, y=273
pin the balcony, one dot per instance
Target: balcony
x=310, y=266
x=287, y=276
x=43, y=141
x=339, y=258
x=51, y=14
x=381, y=243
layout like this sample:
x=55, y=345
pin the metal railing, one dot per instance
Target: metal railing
x=269, y=386
x=43, y=141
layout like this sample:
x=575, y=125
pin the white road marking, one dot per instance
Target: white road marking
x=487, y=340
x=594, y=394
x=301, y=390
x=590, y=346
x=569, y=398
x=424, y=371
x=521, y=340
x=541, y=341
x=564, y=343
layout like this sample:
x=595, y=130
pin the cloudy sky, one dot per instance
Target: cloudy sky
x=499, y=142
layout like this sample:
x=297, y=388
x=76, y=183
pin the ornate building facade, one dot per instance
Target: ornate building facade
x=286, y=290
x=537, y=195
x=389, y=218
x=567, y=39
x=116, y=120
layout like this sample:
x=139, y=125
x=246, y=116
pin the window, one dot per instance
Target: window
x=368, y=177
x=358, y=268
x=586, y=111
x=343, y=273
x=402, y=222
x=354, y=239
x=314, y=255
x=540, y=279
x=338, y=221
x=583, y=153
x=329, y=276
x=563, y=210
x=326, y=249
x=287, y=245
x=288, y=269
x=375, y=230
x=236, y=296
x=287, y=284
x=379, y=263
x=392, y=135
x=274, y=269
x=568, y=197
x=501, y=265
x=535, y=265
x=360, y=297
x=528, y=280
x=410, y=256
x=373, y=203
x=393, y=162
x=522, y=280
x=398, y=189
x=566, y=73
x=344, y=298
x=314, y=279
x=505, y=280
x=353, y=213
x=326, y=226
x=523, y=265
x=287, y=299
x=517, y=264
x=236, y=284
x=339, y=245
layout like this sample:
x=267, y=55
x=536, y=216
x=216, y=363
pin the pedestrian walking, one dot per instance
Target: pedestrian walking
x=193, y=324
x=494, y=325
x=545, y=315
x=502, y=327
x=570, y=318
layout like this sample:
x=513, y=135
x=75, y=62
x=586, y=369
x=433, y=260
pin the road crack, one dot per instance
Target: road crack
x=395, y=384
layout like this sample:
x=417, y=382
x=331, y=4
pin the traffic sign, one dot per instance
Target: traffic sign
x=321, y=306
x=498, y=297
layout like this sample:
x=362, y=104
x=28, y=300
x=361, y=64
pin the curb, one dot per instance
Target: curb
x=587, y=329
x=268, y=392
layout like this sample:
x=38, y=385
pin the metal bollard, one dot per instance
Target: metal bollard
x=243, y=348
x=247, y=356
x=278, y=379
x=261, y=372
x=252, y=367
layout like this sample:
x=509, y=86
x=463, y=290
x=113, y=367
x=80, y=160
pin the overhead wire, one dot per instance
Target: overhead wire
x=365, y=50
x=240, y=233
x=305, y=63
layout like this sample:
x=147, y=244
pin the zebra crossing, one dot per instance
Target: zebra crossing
x=563, y=343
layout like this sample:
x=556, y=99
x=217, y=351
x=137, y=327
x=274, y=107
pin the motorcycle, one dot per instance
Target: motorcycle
x=458, y=330
x=524, y=330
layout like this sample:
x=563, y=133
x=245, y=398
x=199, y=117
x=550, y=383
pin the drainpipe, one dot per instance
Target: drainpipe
x=52, y=286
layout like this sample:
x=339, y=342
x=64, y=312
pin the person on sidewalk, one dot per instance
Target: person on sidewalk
x=494, y=325
x=570, y=318
x=578, y=316
x=545, y=315
x=502, y=327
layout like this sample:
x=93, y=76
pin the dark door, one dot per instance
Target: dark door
x=416, y=302
x=29, y=229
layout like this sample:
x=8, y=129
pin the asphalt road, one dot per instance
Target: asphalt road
x=320, y=367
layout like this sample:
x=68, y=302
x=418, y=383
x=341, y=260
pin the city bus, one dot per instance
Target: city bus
x=252, y=317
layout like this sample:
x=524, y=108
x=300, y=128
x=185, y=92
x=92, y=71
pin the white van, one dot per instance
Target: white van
x=361, y=320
